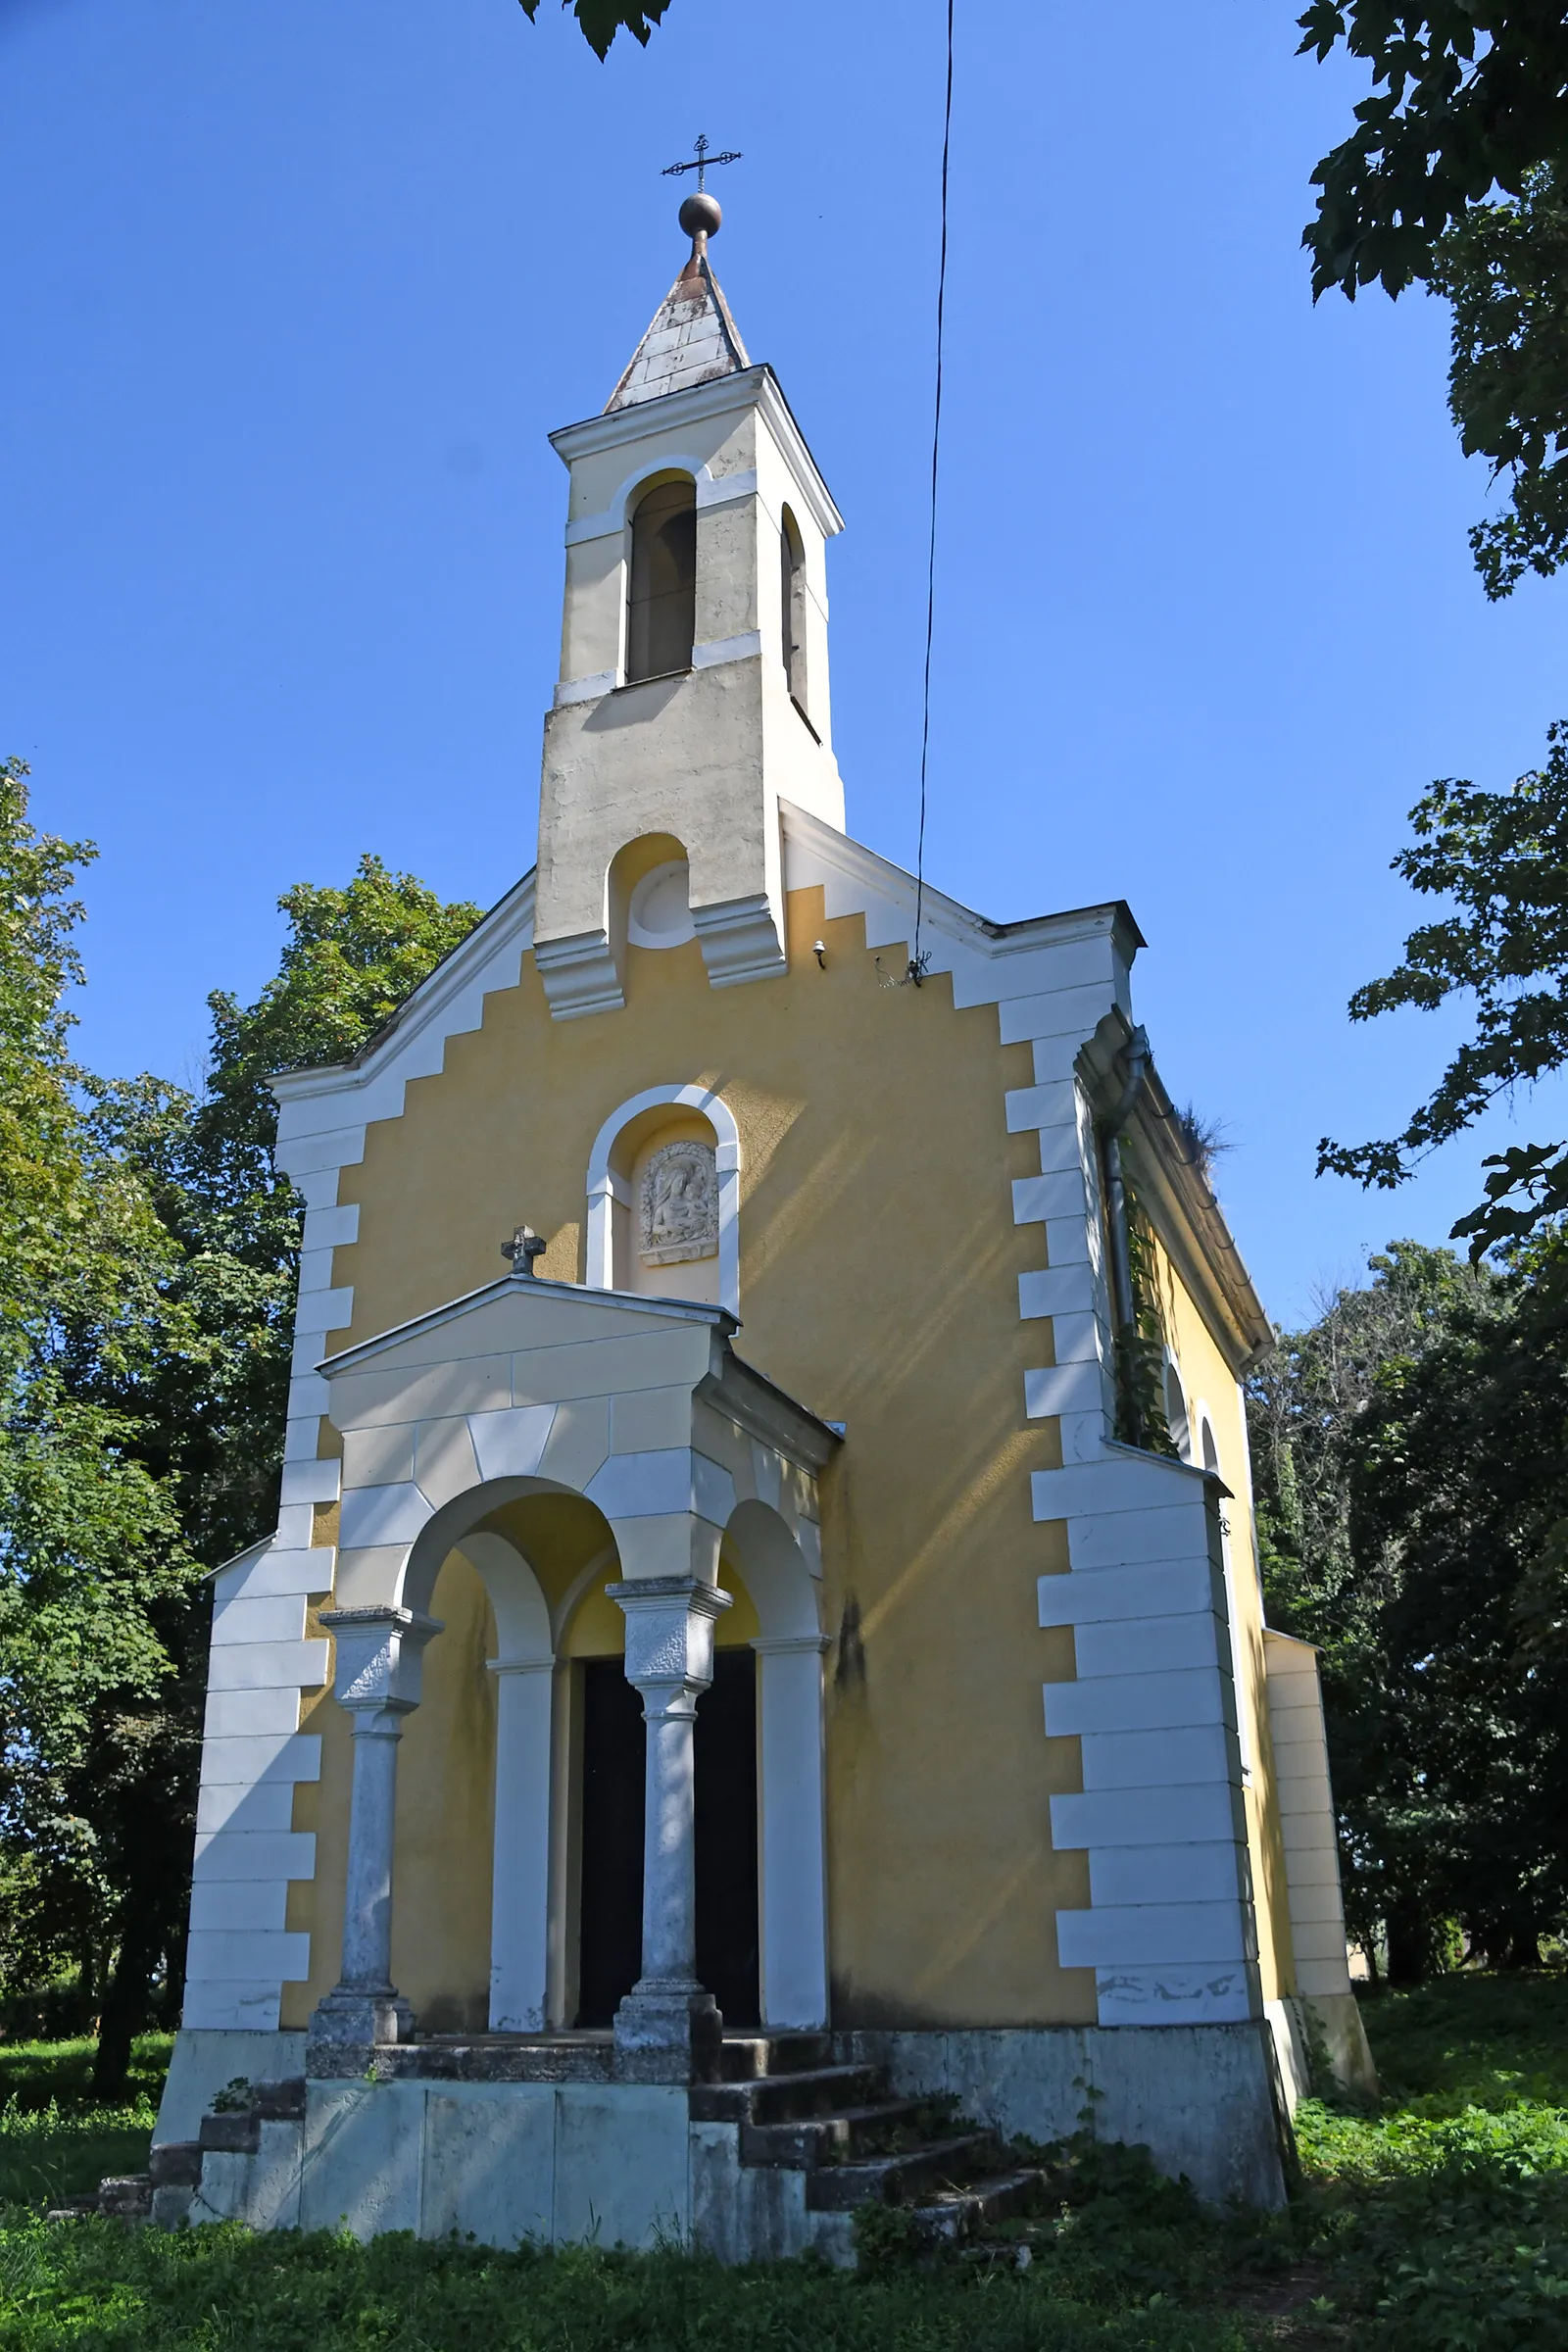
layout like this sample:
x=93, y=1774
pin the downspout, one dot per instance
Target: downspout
x=1124, y=1304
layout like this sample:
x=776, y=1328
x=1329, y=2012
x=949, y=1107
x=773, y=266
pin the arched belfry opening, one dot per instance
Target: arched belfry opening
x=792, y=606
x=661, y=583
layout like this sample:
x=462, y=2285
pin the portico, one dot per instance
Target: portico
x=641, y=1410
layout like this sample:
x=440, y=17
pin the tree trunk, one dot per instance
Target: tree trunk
x=123, y=2013
x=1409, y=1935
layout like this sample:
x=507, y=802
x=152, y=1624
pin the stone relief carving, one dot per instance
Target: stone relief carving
x=677, y=1215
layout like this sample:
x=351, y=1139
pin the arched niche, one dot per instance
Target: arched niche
x=625, y=1151
x=649, y=896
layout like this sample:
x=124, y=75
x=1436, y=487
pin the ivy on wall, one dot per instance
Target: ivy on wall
x=1141, y=1346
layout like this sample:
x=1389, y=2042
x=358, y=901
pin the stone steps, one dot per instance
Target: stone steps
x=786, y=2097
x=901, y=2178
x=960, y=2213
x=749, y=2057
x=859, y=2144
x=793, y=2104
x=840, y=2137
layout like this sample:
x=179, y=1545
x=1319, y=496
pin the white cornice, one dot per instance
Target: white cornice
x=752, y=388
x=944, y=916
x=1179, y=1200
x=767, y=1413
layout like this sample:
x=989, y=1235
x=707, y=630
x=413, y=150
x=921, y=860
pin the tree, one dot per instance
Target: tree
x=1505, y=268
x=1305, y=1403
x=210, y=1411
x=1470, y=98
x=1458, y=1500
x=1412, y=1495
x=602, y=20
x=1504, y=858
x=147, y=1268
x=92, y=1557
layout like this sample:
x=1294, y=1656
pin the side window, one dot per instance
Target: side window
x=791, y=605
x=1181, y=1434
x=1244, y=1723
x=662, y=613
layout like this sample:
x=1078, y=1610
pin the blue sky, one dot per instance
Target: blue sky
x=293, y=296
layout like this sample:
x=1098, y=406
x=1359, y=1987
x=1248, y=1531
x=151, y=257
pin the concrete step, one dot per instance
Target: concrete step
x=747, y=2057
x=786, y=2097
x=909, y=2176
x=127, y=2196
x=837, y=2139
x=960, y=2213
x=176, y=2163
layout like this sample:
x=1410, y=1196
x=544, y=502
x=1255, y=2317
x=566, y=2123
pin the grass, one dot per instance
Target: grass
x=1437, y=2222
x=55, y=2140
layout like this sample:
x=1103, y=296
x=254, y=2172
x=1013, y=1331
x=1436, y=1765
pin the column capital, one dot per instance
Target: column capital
x=379, y=1653
x=669, y=1629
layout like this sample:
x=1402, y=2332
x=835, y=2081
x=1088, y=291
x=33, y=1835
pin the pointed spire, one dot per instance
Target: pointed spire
x=692, y=339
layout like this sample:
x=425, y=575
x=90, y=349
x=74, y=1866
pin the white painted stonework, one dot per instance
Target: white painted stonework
x=1307, y=1817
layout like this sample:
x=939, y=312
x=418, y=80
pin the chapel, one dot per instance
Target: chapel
x=759, y=1698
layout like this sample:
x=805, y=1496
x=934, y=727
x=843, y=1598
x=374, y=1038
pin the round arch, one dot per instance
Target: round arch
x=446, y=1530
x=602, y=1181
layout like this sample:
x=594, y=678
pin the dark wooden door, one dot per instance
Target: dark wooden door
x=614, y=1768
x=613, y=1752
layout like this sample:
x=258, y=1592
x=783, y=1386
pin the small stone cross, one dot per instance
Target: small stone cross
x=700, y=159
x=523, y=1249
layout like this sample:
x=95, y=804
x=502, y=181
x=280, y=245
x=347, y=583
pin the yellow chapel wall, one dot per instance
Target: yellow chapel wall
x=879, y=1266
x=1208, y=1380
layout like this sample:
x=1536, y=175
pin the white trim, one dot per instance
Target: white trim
x=586, y=690
x=718, y=650
x=604, y=1187
x=755, y=387
x=712, y=490
x=991, y=963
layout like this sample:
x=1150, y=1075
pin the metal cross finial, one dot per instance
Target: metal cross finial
x=523, y=1249
x=702, y=157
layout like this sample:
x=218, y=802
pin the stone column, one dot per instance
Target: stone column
x=380, y=1655
x=668, y=2028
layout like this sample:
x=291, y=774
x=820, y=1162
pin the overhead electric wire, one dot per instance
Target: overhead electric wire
x=931, y=549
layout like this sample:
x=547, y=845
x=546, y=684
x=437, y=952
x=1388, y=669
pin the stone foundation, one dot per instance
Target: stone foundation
x=1207, y=2101
x=512, y=2138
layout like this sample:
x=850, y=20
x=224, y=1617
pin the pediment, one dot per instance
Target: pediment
x=519, y=1314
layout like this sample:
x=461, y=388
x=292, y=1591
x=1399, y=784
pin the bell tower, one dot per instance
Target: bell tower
x=693, y=694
